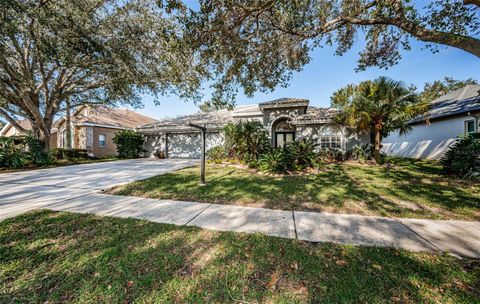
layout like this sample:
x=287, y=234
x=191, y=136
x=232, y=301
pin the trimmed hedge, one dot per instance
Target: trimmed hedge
x=129, y=144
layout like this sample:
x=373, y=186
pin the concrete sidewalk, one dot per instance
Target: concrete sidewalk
x=456, y=237
x=75, y=189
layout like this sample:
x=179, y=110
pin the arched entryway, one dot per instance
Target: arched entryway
x=283, y=132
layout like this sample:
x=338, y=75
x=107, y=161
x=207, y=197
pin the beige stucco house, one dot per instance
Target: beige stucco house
x=93, y=128
x=9, y=130
x=284, y=120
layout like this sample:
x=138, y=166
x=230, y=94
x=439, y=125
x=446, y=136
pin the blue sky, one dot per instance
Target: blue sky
x=327, y=73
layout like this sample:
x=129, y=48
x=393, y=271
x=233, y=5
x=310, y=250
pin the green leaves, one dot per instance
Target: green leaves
x=435, y=89
x=302, y=154
x=129, y=143
x=383, y=102
x=257, y=45
x=246, y=140
x=93, y=52
x=377, y=107
x=274, y=161
x=463, y=157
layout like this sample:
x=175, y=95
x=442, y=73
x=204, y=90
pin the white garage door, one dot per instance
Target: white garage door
x=189, y=145
x=184, y=145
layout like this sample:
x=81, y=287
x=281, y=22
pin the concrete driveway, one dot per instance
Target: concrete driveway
x=27, y=190
x=97, y=176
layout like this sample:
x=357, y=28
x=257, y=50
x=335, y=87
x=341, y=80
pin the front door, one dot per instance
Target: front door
x=283, y=138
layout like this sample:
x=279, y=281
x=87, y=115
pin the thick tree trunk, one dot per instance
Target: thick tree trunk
x=376, y=154
x=44, y=139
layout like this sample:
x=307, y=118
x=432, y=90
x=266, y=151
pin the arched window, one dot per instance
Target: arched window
x=284, y=126
x=283, y=133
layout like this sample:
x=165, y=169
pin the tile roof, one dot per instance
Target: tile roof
x=317, y=115
x=283, y=101
x=247, y=110
x=212, y=120
x=122, y=118
x=218, y=119
x=463, y=100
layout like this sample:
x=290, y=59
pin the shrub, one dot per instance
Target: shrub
x=361, y=152
x=129, y=144
x=12, y=154
x=301, y=154
x=35, y=151
x=331, y=155
x=246, y=141
x=463, y=157
x=62, y=153
x=274, y=161
x=216, y=154
x=319, y=162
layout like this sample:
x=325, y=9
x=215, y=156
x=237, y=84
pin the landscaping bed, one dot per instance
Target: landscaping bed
x=60, y=163
x=403, y=188
x=56, y=257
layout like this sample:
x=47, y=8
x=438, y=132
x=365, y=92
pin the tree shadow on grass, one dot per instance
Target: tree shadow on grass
x=378, y=190
x=409, y=189
x=64, y=257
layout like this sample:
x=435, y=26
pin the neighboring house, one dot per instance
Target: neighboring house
x=10, y=130
x=93, y=128
x=452, y=115
x=284, y=119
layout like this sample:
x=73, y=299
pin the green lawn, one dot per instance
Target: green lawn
x=55, y=257
x=408, y=188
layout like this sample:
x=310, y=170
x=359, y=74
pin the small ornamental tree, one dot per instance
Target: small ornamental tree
x=129, y=144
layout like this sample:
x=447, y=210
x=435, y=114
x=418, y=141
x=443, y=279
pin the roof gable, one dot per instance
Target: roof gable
x=108, y=117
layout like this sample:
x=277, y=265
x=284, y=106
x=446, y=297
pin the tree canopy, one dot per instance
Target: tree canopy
x=377, y=107
x=90, y=51
x=256, y=45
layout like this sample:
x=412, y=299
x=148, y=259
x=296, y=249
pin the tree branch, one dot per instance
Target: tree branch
x=466, y=43
x=12, y=121
x=472, y=2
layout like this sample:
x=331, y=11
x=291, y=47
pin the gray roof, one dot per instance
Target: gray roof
x=212, y=120
x=283, y=102
x=468, y=91
x=463, y=100
x=247, y=110
x=317, y=115
x=218, y=119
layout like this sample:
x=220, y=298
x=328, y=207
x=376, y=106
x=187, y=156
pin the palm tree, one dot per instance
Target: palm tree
x=378, y=107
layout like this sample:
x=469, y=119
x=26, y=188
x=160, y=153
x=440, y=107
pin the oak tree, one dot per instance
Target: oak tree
x=257, y=44
x=90, y=51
